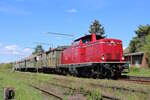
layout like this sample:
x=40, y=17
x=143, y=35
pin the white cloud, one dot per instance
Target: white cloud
x=73, y=10
x=13, y=50
x=0, y=44
x=10, y=50
x=27, y=50
x=11, y=47
x=9, y=53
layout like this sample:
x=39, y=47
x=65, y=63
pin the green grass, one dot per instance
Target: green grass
x=20, y=82
x=95, y=95
x=139, y=72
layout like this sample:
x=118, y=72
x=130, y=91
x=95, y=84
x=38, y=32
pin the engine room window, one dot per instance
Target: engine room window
x=76, y=42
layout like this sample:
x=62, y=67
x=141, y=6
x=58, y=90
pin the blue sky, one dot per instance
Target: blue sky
x=23, y=22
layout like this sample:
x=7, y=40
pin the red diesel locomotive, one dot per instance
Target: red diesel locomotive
x=92, y=55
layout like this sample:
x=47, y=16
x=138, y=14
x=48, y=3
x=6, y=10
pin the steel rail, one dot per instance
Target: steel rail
x=47, y=92
x=86, y=92
x=142, y=80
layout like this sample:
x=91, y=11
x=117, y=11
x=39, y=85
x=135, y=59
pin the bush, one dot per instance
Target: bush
x=134, y=69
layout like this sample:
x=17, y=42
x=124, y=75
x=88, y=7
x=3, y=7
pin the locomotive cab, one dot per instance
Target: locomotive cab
x=87, y=39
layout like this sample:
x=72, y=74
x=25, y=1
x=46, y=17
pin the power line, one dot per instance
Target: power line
x=61, y=34
x=42, y=43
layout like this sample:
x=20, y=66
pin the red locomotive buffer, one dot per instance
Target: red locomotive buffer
x=94, y=56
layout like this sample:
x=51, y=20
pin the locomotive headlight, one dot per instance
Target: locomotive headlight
x=103, y=58
x=123, y=58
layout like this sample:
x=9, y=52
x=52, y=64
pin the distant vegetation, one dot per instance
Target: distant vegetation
x=141, y=42
x=140, y=39
x=38, y=49
x=139, y=72
x=5, y=66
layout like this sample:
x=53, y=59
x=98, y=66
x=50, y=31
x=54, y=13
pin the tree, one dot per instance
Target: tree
x=135, y=45
x=146, y=48
x=38, y=49
x=132, y=46
x=139, y=40
x=143, y=31
x=97, y=28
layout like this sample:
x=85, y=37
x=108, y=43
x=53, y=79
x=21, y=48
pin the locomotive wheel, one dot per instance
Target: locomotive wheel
x=108, y=74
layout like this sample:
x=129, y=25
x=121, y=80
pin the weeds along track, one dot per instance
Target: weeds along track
x=94, y=86
x=71, y=86
x=99, y=85
x=88, y=92
x=140, y=80
x=80, y=91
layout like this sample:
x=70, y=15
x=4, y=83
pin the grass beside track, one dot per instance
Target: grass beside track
x=141, y=72
x=20, y=81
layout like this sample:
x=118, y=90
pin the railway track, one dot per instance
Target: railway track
x=48, y=92
x=108, y=97
x=104, y=96
x=141, y=80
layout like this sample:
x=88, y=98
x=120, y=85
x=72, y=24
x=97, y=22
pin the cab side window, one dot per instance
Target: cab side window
x=86, y=40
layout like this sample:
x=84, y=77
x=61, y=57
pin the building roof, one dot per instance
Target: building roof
x=133, y=54
x=59, y=48
x=30, y=57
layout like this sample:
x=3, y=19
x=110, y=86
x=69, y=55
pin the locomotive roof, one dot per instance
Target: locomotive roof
x=109, y=39
x=59, y=48
x=88, y=37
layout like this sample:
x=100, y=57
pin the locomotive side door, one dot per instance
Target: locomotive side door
x=81, y=52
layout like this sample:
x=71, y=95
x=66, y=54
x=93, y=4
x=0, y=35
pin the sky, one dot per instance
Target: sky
x=24, y=22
